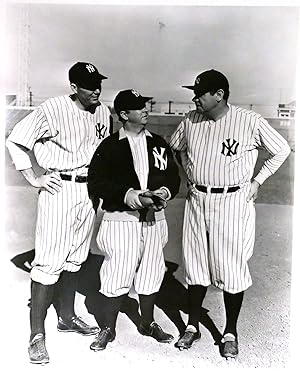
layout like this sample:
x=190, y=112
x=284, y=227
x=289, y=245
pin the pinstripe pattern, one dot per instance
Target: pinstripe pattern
x=64, y=139
x=62, y=239
x=211, y=255
x=133, y=256
x=138, y=146
x=202, y=140
x=219, y=229
x=49, y=131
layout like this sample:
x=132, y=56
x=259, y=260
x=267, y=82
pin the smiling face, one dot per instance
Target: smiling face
x=86, y=98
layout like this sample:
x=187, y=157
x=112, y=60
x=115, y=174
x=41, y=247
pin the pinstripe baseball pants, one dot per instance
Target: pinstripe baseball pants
x=133, y=256
x=218, y=239
x=63, y=232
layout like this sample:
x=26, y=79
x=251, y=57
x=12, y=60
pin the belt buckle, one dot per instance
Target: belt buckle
x=73, y=177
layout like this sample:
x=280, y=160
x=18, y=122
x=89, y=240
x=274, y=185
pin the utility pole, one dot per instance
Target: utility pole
x=170, y=106
x=23, y=97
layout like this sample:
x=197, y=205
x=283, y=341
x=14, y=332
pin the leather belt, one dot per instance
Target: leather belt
x=76, y=178
x=217, y=190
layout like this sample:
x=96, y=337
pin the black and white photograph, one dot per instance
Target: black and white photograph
x=149, y=185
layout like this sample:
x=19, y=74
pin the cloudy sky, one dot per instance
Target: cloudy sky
x=156, y=49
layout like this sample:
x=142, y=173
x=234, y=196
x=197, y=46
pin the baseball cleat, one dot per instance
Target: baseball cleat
x=187, y=339
x=37, y=350
x=102, y=339
x=156, y=332
x=76, y=324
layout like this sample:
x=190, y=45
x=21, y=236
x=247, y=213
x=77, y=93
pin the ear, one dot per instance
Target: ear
x=73, y=87
x=123, y=115
x=219, y=95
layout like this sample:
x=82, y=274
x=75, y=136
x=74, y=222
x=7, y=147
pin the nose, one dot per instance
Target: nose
x=97, y=91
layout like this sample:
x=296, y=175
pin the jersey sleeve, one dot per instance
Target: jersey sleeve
x=269, y=139
x=178, y=140
x=29, y=130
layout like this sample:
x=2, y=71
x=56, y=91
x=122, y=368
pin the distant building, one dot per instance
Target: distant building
x=286, y=110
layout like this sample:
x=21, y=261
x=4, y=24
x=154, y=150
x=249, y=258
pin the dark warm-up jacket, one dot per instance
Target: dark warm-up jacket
x=111, y=173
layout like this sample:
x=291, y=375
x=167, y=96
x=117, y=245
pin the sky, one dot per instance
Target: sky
x=156, y=49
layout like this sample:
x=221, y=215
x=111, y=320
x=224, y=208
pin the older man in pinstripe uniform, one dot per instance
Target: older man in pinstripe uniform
x=219, y=143
x=63, y=132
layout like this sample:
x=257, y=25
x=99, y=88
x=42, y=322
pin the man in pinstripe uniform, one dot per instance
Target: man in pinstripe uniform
x=63, y=132
x=219, y=143
x=128, y=170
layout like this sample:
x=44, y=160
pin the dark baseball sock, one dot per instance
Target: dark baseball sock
x=41, y=297
x=196, y=294
x=233, y=304
x=65, y=293
x=111, y=310
x=147, y=308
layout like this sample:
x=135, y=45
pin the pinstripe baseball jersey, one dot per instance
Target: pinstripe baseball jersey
x=224, y=152
x=62, y=136
x=219, y=228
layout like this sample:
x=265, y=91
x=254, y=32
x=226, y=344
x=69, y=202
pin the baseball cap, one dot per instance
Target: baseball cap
x=207, y=81
x=85, y=75
x=129, y=99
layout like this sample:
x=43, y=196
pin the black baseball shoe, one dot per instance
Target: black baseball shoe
x=229, y=346
x=188, y=338
x=102, y=338
x=156, y=332
x=37, y=350
x=76, y=324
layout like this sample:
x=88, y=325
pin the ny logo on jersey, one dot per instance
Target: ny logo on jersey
x=90, y=68
x=229, y=148
x=160, y=161
x=100, y=130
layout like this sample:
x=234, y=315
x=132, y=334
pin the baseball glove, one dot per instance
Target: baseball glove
x=153, y=200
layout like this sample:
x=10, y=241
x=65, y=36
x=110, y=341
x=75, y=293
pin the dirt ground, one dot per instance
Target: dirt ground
x=264, y=325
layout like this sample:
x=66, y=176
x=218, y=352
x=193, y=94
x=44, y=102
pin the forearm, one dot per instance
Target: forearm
x=18, y=155
x=271, y=165
x=31, y=177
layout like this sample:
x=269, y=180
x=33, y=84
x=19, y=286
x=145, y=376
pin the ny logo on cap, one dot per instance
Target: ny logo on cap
x=230, y=147
x=197, y=80
x=90, y=68
x=135, y=92
x=160, y=161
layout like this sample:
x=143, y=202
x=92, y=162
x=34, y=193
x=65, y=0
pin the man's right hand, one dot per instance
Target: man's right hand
x=132, y=199
x=50, y=182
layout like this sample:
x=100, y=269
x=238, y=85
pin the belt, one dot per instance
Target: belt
x=76, y=178
x=217, y=190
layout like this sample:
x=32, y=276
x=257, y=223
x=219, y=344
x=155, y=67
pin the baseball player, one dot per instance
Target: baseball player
x=63, y=132
x=219, y=143
x=134, y=172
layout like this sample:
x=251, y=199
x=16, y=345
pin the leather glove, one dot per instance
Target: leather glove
x=157, y=197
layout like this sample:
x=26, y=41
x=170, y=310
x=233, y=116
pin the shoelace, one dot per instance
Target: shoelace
x=79, y=321
x=102, y=334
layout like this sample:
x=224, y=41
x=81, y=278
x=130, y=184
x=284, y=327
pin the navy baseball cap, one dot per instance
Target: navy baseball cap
x=129, y=99
x=85, y=75
x=208, y=81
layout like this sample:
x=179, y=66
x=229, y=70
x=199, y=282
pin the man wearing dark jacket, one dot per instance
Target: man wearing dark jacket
x=134, y=173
